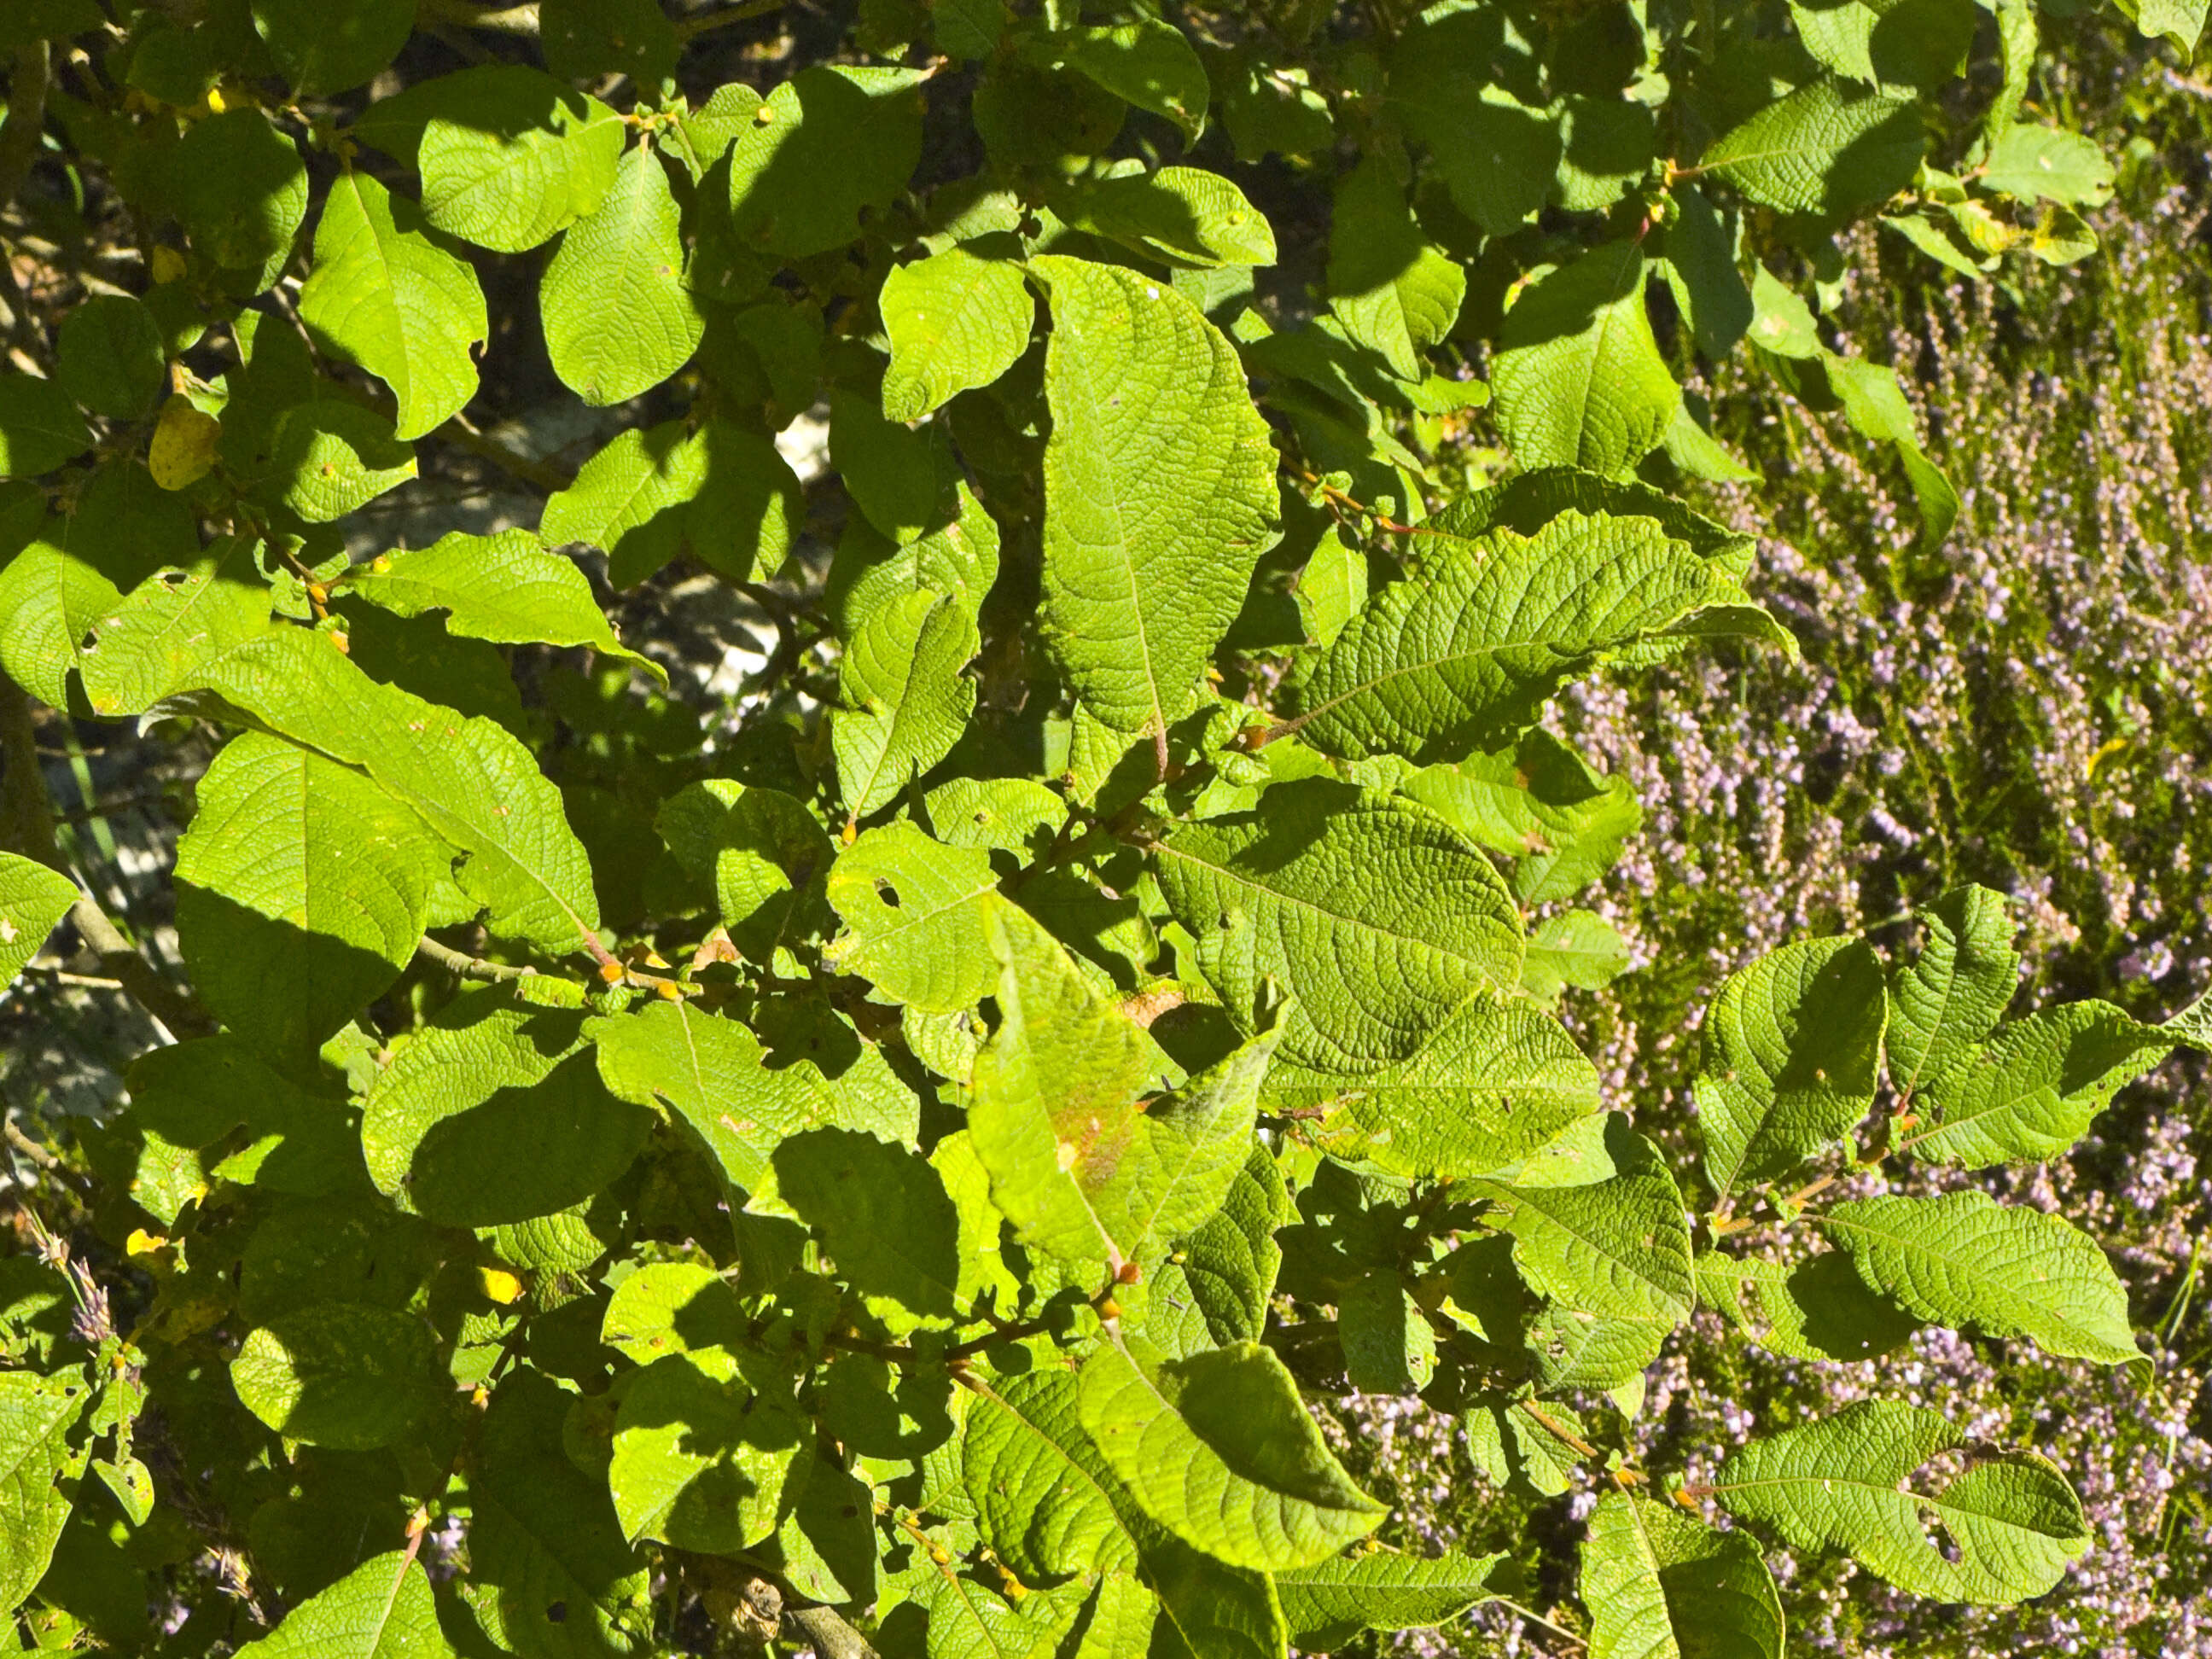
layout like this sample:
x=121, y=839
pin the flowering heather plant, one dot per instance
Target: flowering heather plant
x=2060, y=670
x=882, y=1143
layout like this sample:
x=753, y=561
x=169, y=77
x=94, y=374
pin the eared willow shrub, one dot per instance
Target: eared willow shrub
x=889, y=1173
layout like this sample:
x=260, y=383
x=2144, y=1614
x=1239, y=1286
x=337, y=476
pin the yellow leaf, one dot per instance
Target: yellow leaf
x=183, y=449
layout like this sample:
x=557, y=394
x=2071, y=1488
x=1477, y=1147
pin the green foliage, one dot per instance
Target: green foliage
x=912, y=1136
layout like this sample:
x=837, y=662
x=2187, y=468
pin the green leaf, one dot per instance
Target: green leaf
x=1388, y=1346
x=1326, y=1605
x=1956, y=989
x=55, y=19
x=345, y=1375
x=1091, y=1155
x=1579, y=948
x=958, y=555
x=470, y=780
x=383, y=1609
x=32, y=902
x=2049, y=162
x=586, y=39
x=1209, y=1609
x=1579, y=380
x=40, y=427
x=917, y=918
x=1225, y=1272
x=1116, y=1622
x=1540, y=804
x=1184, y=216
x=967, y=1620
x=2033, y=1089
x=36, y=1474
x=495, y=1113
x=383, y=295
x=1218, y=1449
x=703, y=1462
x=1497, y=155
x=1875, y=405
x=62, y=582
x=721, y=494
x=1618, y=1248
x=1827, y=147
x=2181, y=22
x=1789, y=1065
x=1160, y=491
x=831, y=143
x=1963, y=1259
x=302, y=889
x=240, y=188
x=1700, y=270
x=1660, y=1585
x=1818, y=1309
x=955, y=319
x=906, y=702
x=1045, y=1500
x=505, y=587
x=1370, y=914
x=884, y=1218
x=713, y=1072
x=1529, y=502
x=705, y=131
x=322, y=49
x=544, y=1539
x=1861, y=1481
x=1044, y=1492
x=510, y=157
x=1495, y=1080
x=764, y=853
x=325, y=458
x=1014, y=815
x=673, y=1307
x=111, y=357
x=1148, y=63
x=2018, y=37
x=170, y=620
x=619, y=319
x=1607, y=147
x=1393, y=292
x=1917, y=44
x=191, y=1095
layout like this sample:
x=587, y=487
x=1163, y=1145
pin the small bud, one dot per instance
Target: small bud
x=669, y=991
x=1127, y=1273
x=611, y=972
x=1110, y=1308
x=501, y=1285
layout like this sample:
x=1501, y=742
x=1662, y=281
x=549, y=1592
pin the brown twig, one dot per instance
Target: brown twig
x=831, y=1636
x=541, y=475
x=27, y=116
x=503, y=20
x=465, y=966
x=689, y=29
x=27, y=820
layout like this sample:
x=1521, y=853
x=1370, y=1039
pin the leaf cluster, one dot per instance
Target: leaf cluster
x=891, y=1158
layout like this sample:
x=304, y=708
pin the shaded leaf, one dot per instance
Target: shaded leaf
x=1861, y=1480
